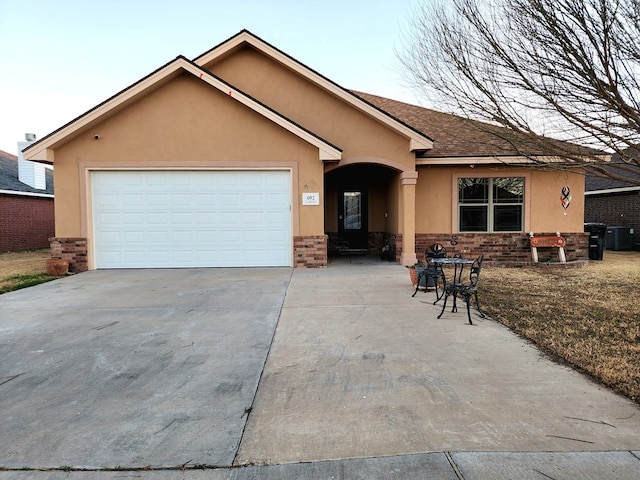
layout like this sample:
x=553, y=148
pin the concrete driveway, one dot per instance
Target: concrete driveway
x=330, y=373
x=134, y=368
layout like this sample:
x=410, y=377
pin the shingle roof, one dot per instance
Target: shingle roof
x=9, y=176
x=453, y=136
x=596, y=183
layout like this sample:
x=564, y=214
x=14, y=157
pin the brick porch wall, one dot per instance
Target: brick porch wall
x=503, y=248
x=72, y=249
x=310, y=251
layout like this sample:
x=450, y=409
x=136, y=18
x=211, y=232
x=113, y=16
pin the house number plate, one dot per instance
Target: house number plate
x=310, y=198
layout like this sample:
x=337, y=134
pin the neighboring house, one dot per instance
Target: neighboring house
x=246, y=157
x=26, y=212
x=614, y=203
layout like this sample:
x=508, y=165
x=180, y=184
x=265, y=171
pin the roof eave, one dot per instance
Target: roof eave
x=489, y=160
x=475, y=160
x=609, y=191
x=43, y=150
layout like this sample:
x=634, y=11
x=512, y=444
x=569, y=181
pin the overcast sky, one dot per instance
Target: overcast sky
x=61, y=58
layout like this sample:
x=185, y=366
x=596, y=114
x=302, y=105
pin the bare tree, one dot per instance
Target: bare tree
x=542, y=70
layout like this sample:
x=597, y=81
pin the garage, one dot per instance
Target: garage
x=194, y=218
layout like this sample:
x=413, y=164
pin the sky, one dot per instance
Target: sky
x=61, y=58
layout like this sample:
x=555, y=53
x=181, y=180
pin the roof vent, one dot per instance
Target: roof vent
x=30, y=137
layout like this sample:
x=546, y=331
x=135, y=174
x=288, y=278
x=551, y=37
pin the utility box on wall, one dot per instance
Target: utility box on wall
x=619, y=238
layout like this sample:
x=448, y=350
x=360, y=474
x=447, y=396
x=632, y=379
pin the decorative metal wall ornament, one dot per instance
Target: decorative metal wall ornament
x=565, y=198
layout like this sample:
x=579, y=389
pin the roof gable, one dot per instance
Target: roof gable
x=43, y=149
x=418, y=140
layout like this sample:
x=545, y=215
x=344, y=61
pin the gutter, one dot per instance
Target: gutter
x=613, y=190
x=26, y=194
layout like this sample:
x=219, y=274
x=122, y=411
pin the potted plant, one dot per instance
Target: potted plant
x=414, y=271
x=57, y=267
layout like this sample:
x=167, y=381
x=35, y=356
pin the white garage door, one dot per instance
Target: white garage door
x=167, y=219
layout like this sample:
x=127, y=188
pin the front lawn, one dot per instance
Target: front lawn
x=587, y=317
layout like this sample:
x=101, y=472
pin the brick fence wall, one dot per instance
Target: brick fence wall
x=25, y=222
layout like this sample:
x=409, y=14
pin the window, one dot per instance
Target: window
x=490, y=204
x=352, y=210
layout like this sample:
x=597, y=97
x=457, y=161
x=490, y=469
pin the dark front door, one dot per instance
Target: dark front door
x=352, y=218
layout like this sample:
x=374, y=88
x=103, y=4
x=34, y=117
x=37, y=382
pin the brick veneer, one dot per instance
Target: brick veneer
x=620, y=209
x=25, y=222
x=72, y=249
x=504, y=248
x=310, y=251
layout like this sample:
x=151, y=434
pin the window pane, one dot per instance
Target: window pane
x=473, y=219
x=507, y=218
x=352, y=210
x=473, y=190
x=508, y=190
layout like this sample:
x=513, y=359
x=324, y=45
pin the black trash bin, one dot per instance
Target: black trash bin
x=597, y=238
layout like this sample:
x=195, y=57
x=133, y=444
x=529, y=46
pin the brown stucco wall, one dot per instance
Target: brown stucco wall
x=436, y=198
x=183, y=124
x=315, y=108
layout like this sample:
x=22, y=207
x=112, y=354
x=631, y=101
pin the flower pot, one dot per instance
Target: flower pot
x=413, y=274
x=57, y=267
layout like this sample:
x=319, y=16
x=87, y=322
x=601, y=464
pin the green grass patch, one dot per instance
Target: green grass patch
x=16, y=282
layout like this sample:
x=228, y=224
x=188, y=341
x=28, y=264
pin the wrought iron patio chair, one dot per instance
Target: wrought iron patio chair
x=465, y=290
x=432, y=273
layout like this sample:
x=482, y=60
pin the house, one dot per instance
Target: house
x=26, y=212
x=616, y=204
x=244, y=156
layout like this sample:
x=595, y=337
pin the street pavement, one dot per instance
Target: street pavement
x=280, y=373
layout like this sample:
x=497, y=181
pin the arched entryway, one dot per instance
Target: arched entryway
x=362, y=206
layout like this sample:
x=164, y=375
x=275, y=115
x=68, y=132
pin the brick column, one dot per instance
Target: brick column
x=72, y=249
x=310, y=251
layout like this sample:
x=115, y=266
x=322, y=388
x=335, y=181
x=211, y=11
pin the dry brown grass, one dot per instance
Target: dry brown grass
x=587, y=317
x=22, y=269
x=24, y=263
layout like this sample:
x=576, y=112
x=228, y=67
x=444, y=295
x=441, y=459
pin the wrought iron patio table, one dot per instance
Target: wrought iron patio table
x=466, y=290
x=458, y=267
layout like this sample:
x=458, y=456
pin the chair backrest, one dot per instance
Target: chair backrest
x=436, y=250
x=474, y=274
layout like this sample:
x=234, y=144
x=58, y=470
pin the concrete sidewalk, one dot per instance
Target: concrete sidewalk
x=359, y=381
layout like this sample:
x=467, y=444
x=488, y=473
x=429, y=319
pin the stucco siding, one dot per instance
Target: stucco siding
x=184, y=124
x=437, y=197
x=547, y=214
x=313, y=107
